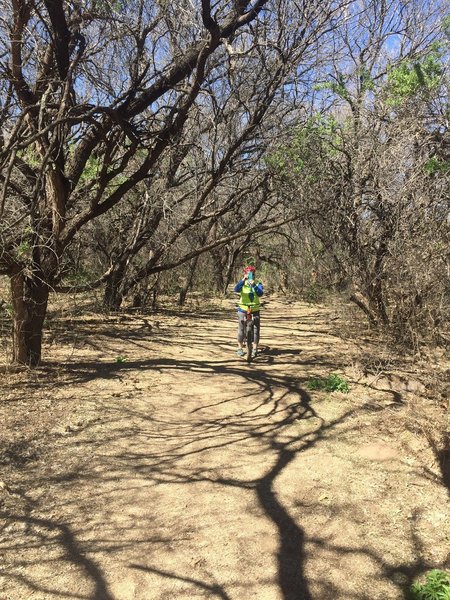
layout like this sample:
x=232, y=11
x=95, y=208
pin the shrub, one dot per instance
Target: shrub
x=332, y=383
x=436, y=587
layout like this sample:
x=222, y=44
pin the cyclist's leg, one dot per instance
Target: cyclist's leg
x=249, y=337
x=241, y=332
x=256, y=329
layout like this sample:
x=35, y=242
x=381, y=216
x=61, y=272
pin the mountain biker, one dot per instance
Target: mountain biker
x=250, y=292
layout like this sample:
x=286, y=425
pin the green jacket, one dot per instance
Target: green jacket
x=249, y=296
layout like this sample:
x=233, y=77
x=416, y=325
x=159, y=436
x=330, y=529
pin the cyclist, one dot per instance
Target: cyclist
x=250, y=292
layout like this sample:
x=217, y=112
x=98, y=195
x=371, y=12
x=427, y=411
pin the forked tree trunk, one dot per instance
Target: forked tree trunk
x=29, y=299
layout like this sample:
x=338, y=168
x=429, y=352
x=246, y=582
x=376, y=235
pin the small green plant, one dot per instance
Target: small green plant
x=433, y=165
x=121, y=359
x=315, y=384
x=332, y=383
x=23, y=249
x=436, y=587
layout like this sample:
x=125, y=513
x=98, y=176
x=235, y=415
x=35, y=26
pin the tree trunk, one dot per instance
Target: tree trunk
x=29, y=299
x=113, y=296
x=187, y=284
x=376, y=292
x=155, y=292
x=361, y=302
x=233, y=255
x=219, y=260
x=229, y=271
x=377, y=302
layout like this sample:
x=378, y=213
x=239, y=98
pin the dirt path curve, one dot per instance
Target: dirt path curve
x=186, y=473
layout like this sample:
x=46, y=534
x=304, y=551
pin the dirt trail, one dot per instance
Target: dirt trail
x=173, y=469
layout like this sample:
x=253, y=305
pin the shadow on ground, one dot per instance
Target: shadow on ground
x=279, y=403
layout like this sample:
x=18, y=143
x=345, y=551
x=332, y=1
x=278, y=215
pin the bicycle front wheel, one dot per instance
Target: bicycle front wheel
x=249, y=340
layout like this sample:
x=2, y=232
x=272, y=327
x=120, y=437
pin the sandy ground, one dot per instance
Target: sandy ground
x=145, y=461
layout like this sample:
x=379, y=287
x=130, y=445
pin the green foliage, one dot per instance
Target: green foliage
x=339, y=87
x=312, y=143
x=366, y=81
x=22, y=249
x=436, y=587
x=332, y=383
x=30, y=156
x=90, y=171
x=121, y=359
x=117, y=181
x=434, y=165
x=410, y=79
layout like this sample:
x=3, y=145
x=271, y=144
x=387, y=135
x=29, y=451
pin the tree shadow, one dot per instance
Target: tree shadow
x=291, y=553
x=444, y=463
x=292, y=405
x=72, y=553
x=211, y=589
x=442, y=455
x=272, y=351
x=280, y=404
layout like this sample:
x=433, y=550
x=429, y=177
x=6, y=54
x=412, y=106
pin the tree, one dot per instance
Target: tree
x=371, y=167
x=214, y=165
x=89, y=90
